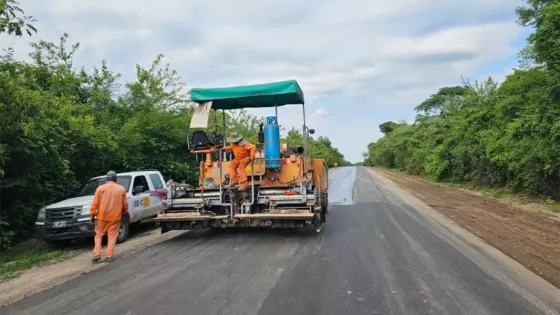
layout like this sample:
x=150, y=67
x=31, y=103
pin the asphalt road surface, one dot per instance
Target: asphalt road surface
x=378, y=254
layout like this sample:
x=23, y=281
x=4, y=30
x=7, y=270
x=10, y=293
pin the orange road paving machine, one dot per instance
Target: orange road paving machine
x=288, y=188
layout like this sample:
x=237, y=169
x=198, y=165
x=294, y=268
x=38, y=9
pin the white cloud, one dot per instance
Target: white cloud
x=378, y=58
x=320, y=112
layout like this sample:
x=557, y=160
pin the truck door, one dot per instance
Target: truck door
x=157, y=193
x=141, y=202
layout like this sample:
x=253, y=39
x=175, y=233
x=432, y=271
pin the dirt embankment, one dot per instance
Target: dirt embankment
x=531, y=239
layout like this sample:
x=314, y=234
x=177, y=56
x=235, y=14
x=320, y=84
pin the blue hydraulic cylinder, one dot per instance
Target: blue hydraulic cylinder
x=272, y=142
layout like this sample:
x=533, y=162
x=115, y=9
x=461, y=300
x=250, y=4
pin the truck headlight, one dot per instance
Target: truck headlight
x=41, y=214
x=85, y=210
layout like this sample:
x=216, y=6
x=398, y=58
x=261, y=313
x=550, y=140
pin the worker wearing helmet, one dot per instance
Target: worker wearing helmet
x=244, y=153
x=110, y=206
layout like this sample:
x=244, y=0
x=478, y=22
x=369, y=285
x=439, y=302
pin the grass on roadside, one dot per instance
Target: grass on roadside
x=546, y=213
x=16, y=261
x=543, y=206
x=488, y=192
x=34, y=252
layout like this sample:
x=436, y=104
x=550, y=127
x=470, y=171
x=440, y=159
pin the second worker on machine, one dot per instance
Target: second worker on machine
x=244, y=153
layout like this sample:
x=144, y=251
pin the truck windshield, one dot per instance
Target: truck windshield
x=92, y=184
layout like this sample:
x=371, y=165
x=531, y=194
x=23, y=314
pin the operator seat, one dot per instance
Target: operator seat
x=199, y=139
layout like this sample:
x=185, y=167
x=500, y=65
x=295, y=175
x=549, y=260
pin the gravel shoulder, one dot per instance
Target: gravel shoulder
x=531, y=239
x=37, y=279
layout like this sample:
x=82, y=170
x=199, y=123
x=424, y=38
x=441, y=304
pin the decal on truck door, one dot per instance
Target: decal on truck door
x=142, y=203
x=146, y=201
x=138, y=203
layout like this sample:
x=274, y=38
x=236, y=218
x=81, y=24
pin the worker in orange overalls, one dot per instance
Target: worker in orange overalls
x=110, y=206
x=244, y=153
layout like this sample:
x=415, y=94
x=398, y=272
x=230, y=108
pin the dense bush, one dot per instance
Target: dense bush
x=61, y=126
x=507, y=135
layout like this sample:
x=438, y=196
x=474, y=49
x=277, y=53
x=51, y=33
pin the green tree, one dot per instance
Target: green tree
x=501, y=136
x=155, y=88
x=387, y=127
x=244, y=123
x=445, y=97
x=13, y=20
x=544, y=43
x=319, y=148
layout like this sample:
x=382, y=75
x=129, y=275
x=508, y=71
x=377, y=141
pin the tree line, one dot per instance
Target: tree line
x=505, y=135
x=61, y=125
x=321, y=147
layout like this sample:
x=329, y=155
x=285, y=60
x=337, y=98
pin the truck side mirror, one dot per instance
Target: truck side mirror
x=138, y=189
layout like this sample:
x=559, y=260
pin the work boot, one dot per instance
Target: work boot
x=96, y=258
x=241, y=188
x=109, y=259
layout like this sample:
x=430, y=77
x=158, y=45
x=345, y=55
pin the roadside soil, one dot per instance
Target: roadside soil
x=531, y=239
x=37, y=279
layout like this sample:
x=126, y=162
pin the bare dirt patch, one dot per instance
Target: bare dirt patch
x=531, y=239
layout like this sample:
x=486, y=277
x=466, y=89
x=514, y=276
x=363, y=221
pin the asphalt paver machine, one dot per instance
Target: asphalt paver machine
x=288, y=187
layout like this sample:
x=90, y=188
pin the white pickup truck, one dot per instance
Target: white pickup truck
x=63, y=221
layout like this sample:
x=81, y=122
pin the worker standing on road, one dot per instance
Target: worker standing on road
x=335, y=164
x=244, y=153
x=109, y=205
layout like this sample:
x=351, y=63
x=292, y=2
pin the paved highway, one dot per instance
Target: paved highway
x=380, y=253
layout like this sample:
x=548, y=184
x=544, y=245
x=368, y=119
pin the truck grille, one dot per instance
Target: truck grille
x=62, y=214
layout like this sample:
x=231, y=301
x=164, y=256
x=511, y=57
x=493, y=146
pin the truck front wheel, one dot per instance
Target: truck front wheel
x=124, y=228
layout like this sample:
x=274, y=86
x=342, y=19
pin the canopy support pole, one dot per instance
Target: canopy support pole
x=225, y=132
x=276, y=112
x=304, y=131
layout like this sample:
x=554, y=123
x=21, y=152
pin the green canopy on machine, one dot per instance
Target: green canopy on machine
x=259, y=95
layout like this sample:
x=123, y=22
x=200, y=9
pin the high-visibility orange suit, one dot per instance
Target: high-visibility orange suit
x=110, y=205
x=244, y=154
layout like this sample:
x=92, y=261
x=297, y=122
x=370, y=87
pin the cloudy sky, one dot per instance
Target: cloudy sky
x=359, y=62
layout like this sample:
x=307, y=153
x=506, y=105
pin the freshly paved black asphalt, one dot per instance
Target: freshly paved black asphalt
x=377, y=256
